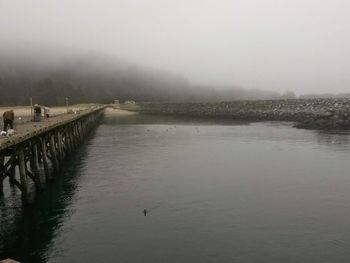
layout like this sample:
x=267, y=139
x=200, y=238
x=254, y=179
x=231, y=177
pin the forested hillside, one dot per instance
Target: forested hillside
x=49, y=77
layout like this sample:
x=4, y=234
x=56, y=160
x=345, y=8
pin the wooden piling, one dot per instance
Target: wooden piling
x=12, y=172
x=53, y=152
x=44, y=158
x=2, y=173
x=59, y=146
x=67, y=142
x=23, y=174
x=38, y=180
x=35, y=159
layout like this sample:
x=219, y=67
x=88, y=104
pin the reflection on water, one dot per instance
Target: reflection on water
x=338, y=141
x=27, y=232
x=217, y=191
x=138, y=119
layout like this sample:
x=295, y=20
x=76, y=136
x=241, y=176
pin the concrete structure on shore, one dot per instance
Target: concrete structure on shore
x=41, y=145
x=308, y=113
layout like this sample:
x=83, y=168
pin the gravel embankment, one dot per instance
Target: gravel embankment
x=309, y=113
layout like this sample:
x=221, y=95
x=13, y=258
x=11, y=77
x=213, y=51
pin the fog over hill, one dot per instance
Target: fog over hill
x=49, y=77
x=176, y=50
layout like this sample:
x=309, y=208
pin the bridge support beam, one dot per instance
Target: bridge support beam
x=23, y=174
x=44, y=158
x=53, y=152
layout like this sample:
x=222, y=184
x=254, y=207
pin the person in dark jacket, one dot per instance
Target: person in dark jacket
x=8, y=117
x=37, y=113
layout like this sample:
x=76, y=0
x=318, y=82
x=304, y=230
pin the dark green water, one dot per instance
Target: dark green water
x=216, y=191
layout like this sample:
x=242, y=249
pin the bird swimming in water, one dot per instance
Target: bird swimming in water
x=146, y=211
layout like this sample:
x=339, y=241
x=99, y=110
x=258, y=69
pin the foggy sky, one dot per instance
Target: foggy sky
x=300, y=45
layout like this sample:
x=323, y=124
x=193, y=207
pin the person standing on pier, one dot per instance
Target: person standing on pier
x=37, y=113
x=46, y=111
x=8, y=117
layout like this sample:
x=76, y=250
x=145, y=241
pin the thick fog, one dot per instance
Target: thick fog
x=276, y=45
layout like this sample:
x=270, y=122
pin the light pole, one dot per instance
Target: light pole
x=67, y=103
x=31, y=108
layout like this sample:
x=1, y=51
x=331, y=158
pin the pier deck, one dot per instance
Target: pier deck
x=35, y=147
x=27, y=130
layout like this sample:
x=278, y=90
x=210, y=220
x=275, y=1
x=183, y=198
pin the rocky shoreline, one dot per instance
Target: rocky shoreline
x=331, y=114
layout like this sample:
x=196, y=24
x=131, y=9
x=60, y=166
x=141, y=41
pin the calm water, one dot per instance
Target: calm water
x=217, y=192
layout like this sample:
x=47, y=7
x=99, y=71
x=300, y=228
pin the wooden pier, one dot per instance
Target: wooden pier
x=41, y=146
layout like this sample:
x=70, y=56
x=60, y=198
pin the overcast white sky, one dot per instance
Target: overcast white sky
x=300, y=45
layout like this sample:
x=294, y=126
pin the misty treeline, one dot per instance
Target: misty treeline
x=49, y=78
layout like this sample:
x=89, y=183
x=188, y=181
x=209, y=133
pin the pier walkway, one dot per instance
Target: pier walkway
x=27, y=130
x=36, y=147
